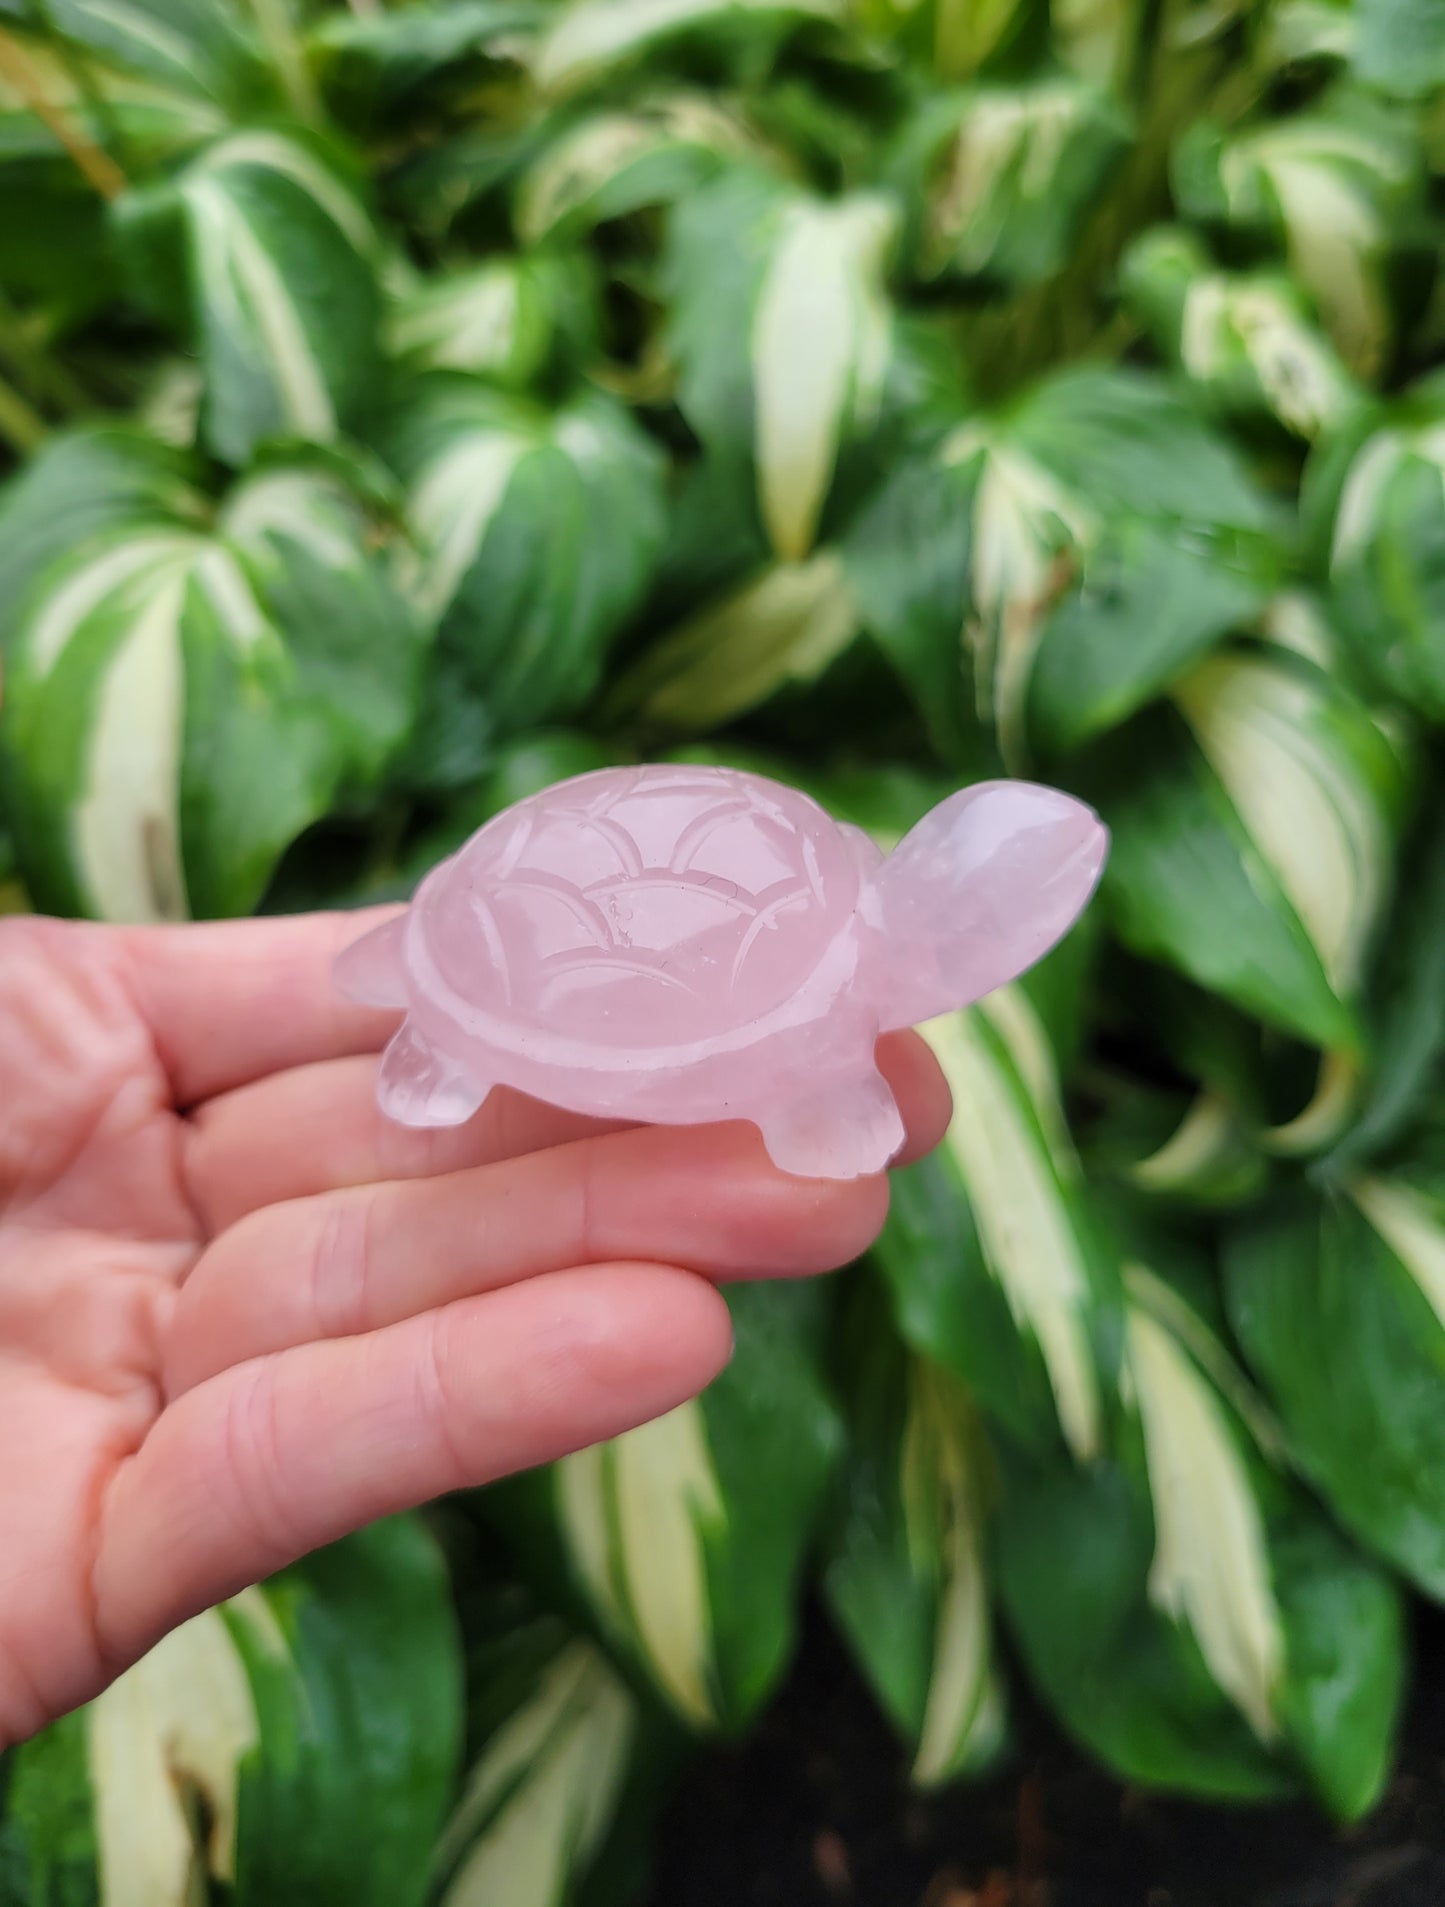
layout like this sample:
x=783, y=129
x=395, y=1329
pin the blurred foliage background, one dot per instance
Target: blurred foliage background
x=408, y=405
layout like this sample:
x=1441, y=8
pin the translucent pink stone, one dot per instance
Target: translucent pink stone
x=681, y=945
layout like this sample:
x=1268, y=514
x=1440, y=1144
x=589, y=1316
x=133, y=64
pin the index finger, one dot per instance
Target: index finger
x=229, y=1002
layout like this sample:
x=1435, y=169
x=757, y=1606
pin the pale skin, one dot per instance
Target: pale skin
x=241, y=1315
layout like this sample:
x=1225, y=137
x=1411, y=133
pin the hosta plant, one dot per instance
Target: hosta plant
x=407, y=405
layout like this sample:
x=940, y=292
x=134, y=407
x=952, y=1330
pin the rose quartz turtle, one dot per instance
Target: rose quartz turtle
x=686, y=944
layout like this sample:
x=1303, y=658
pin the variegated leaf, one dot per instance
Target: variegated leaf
x=608, y=164
x=301, y=1737
x=591, y=36
x=279, y=287
x=1339, y=1304
x=905, y=1574
x=1007, y=175
x=538, y=530
x=1052, y=565
x=1189, y=1612
x=1375, y=500
x=1339, y=188
x=540, y=1797
x=952, y=37
x=782, y=332
x=155, y=668
x=994, y=1263
x=780, y=630
x=507, y=319
x=684, y=1539
x=1245, y=340
x=1256, y=854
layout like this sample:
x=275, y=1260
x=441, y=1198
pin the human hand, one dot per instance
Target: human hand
x=241, y=1314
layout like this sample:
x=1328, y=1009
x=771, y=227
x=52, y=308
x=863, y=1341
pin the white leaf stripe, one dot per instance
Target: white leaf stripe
x=1021, y=132
x=820, y=346
x=300, y=508
x=1300, y=796
x=1024, y=522
x=1211, y=1563
x=272, y=153
x=543, y=1793
x=785, y=626
x=131, y=23
x=592, y=33
x=638, y=1515
x=125, y=826
x=1361, y=500
x=467, y=324
x=963, y=1710
x=591, y=155
x=230, y=594
x=1412, y=1228
x=76, y=596
x=252, y=298
x=185, y=1714
x=454, y=500
x=1024, y=1225
x=1207, y=1133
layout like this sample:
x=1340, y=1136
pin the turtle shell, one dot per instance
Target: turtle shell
x=646, y=906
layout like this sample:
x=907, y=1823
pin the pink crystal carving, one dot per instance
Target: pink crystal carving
x=680, y=945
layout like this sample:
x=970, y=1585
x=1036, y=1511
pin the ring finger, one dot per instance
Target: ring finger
x=353, y=1261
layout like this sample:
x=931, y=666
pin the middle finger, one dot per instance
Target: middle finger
x=703, y=1197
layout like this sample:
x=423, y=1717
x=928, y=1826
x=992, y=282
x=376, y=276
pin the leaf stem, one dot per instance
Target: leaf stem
x=91, y=160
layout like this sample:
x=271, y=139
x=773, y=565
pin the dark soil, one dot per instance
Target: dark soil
x=812, y=1811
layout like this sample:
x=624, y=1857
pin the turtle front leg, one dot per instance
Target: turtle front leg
x=418, y=1087
x=841, y=1129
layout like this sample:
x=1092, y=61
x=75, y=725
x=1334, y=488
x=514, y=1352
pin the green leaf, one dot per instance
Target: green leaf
x=1252, y=848
x=1376, y=504
x=1407, y=1006
x=208, y=48
x=1340, y=188
x=538, y=533
x=1094, y=531
x=1149, y=603
x=549, y=1774
x=1247, y=341
x=1339, y=1305
x=952, y=37
x=53, y=238
x=904, y=1575
x=376, y=65
x=994, y=1265
x=1196, y=1151
x=184, y=697
x=508, y=319
x=781, y=630
x=297, y=1743
x=782, y=333
x=1189, y=1614
x=608, y=164
x=1002, y=178
x=592, y=37
x=280, y=285
x=684, y=1540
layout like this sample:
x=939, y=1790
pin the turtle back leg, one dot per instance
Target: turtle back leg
x=985, y=884
x=842, y=1128
x=418, y=1086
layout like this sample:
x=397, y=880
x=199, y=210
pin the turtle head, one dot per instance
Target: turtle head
x=980, y=889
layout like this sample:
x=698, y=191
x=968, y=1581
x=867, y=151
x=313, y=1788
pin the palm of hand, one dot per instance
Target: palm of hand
x=239, y=1315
